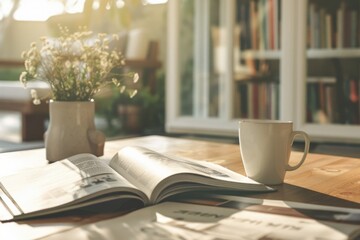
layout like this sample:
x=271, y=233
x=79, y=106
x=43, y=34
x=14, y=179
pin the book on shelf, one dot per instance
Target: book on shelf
x=258, y=99
x=324, y=100
x=243, y=17
x=262, y=21
x=270, y=26
x=135, y=175
x=276, y=23
x=340, y=25
x=227, y=217
x=329, y=31
x=333, y=25
x=311, y=26
x=352, y=101
x=347, y=28
x=259, y=21
x=354, y=28
x=254, y=25
x=321, y=95
x=323, y=28
x=273, y=24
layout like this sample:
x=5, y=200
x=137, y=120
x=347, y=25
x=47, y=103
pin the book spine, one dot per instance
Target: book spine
x=277, y=111
x=329, y=104
x=276, y=24
x=245, y=25
x=265, y=21
x=354, y=100
x=347, y=28
x=312, y=26
x=266, y=24
x=255, y=100
x=237, y=101
x=322, y=29
x=340, y=26
x=328, y=31
x=312, y=104
x=346, y=94
x=250, y=100
x=359, y=100
x=262, y=100
x=241, y=23
x=243, y=101
x=266, y=103
x=274, y=104
x=271, y=24
x=321, y=95
x=317, y=29
x=308, y=98
x=354, y=28
x=254, y=25
x=260, y=17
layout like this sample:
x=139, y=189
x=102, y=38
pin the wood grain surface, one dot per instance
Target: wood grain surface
x=322, y=179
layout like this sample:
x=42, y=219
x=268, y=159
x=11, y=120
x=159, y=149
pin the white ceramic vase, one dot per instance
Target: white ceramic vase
x=72, y=130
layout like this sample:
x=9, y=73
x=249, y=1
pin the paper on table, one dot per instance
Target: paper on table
x=189, y=221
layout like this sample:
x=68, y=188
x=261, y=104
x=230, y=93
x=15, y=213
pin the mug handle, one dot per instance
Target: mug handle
x=306, y=148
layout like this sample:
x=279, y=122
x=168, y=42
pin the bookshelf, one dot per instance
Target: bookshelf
x=333, y=53
x=266, y=59
x=260, y=53
x=329, y=106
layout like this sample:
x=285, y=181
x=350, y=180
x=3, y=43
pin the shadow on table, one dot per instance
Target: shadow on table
x=284, y=192
x=288, y=192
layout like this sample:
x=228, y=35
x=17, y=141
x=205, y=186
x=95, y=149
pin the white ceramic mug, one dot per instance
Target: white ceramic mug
x=265, y=147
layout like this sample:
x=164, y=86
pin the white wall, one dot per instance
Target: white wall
x=19, y=36
x=154, y=21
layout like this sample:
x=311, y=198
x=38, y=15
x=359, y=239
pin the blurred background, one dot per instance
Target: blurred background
x=224, y=61
x=141, y=27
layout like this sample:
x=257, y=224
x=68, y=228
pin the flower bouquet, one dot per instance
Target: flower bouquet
x=76, y=67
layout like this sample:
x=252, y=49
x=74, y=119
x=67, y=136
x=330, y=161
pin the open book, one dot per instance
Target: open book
x=135, y=174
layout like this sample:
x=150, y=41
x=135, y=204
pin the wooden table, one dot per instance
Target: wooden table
x=33, y=117
x=323, y=179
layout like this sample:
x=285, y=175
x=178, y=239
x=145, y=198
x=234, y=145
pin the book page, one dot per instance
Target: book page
x=151, y=172
x=70, y=180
